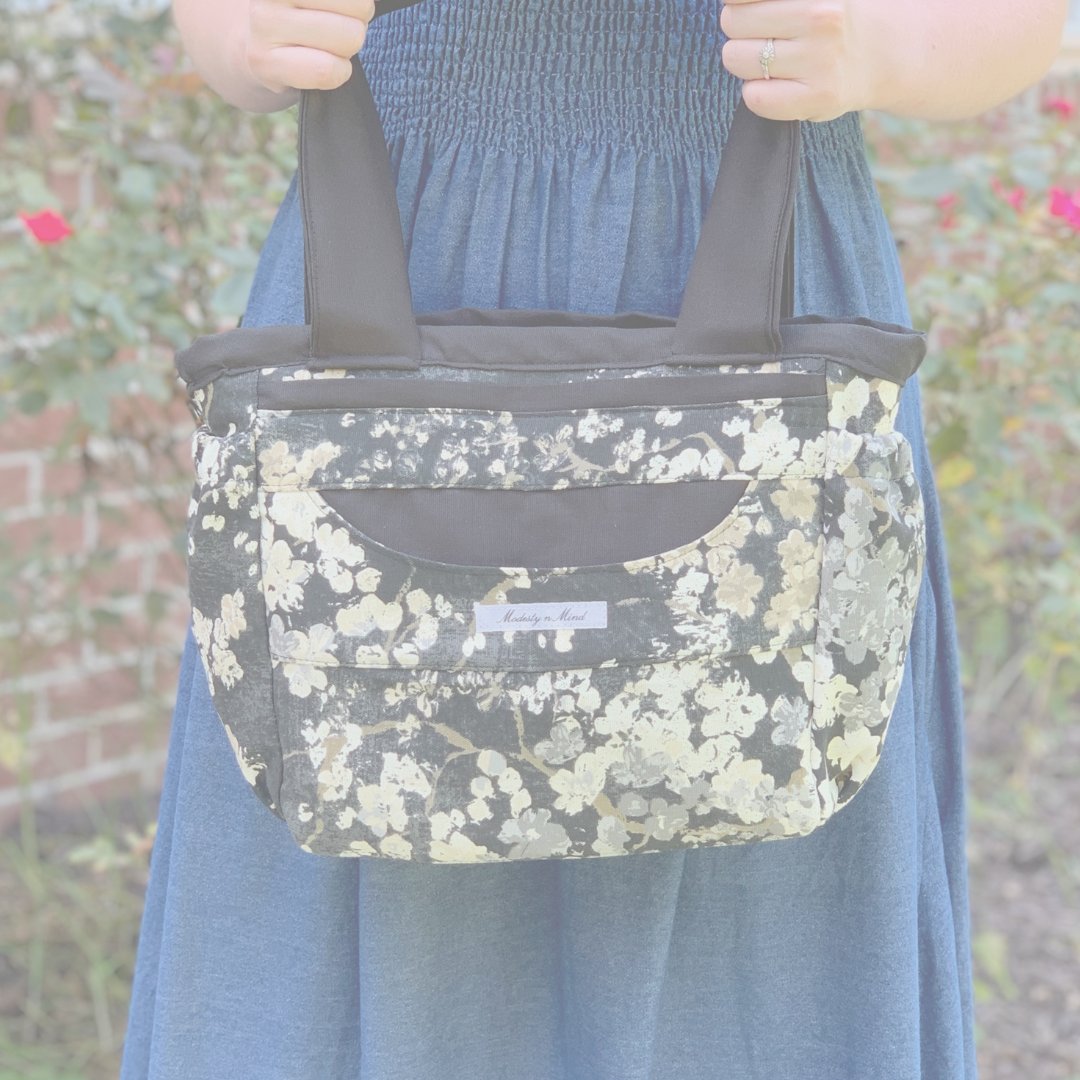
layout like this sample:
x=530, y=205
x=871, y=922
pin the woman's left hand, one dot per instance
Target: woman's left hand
x=826, y=55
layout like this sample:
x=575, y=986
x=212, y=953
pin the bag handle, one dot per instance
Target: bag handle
x=357, y=296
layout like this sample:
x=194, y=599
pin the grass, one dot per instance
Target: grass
x=72, y=888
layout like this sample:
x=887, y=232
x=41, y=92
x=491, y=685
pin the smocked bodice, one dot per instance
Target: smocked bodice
x=554, y=76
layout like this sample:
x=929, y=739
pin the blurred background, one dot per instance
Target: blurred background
x=133, y=203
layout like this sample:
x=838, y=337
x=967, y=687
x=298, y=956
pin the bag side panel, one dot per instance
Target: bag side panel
x=874, y=529
x=228, y=614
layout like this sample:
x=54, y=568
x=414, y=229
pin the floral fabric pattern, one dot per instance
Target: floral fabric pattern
x=740, y=690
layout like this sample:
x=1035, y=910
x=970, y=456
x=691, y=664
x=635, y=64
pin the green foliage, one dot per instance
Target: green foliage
x=169, y=193
x=158, y=252
x=72, y=913
x=997, y=283
x=991, y=953
x=105, y=123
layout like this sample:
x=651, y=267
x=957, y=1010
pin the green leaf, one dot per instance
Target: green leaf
x=137, y=184
x=32, y=401
x=932, y=181
x=949, y=440
x=991, y=952
x=230, y=297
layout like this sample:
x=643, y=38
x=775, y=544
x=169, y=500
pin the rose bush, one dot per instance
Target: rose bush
x=987, y=217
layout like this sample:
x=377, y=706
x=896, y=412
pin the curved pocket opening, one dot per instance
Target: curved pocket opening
x=587, y=527
x=337, y=596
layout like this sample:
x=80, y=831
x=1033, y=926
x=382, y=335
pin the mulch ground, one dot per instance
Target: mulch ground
x=1024, y=860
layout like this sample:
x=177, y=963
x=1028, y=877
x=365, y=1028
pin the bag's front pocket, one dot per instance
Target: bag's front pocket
x=637, y=677
x=658, y=546
x=572, y=527
x=335, y=595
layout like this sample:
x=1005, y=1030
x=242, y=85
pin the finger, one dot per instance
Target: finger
x=793, y=59
x=356, y=9
x=301, y=68
x=764, y=18
x=342, y=35
x=788, y=99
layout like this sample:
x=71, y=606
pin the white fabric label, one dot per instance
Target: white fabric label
x=577, y=615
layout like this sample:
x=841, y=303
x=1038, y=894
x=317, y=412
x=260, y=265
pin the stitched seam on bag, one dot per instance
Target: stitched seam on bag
x=429, y=359
x=650, y=562
x=789, y=403
x=434, y=360
x=794, y=403
x=261, y=594
x=365, y=485
x=338, y=388
x=311, y=263
x=454, y=668
x=815, y=664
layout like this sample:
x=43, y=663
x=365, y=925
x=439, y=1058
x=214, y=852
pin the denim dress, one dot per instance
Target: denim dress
x=561, y=155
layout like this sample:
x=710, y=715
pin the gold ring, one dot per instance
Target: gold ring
x=766, y=56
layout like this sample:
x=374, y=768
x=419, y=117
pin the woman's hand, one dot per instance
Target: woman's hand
x=827, y=55
x=935, y=59
x=303, y=44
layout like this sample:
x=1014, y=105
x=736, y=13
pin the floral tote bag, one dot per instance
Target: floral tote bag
x=487, y=585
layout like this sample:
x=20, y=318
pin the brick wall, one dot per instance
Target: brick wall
x=89, y=649
x=95, y=703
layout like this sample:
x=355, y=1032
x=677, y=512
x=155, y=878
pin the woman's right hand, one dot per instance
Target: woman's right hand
x=303, y=44
x=260, y=54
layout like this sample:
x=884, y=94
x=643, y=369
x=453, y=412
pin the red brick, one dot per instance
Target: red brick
x=33, y=658
x=134, y=630
x=93, y=692
x=9, y=781
x=168, y=644
x=46, y=429
x=43, y=117
x=131, y=630
x=49, y=589
x=66, y=184
x=91, y=794
x=17, y=708
x=113, y=475
x=148, y=456
x=60, y=533
x=144, y=413
x=63, y=478
x=167, y=671
x=57, y=757
x=172, y=640
x=143, y=518
x=169, y=570
x=14, y=486
x=114, y=576
x=174, y=623
x=124, y=738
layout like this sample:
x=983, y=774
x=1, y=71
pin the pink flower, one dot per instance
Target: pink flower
x=164, y=57
x=947, y=205
x=1013, y=196
x=1066, y=206
x=1062, y=106
x=46, y=227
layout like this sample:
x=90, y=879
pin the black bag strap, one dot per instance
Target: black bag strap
x=358, y=299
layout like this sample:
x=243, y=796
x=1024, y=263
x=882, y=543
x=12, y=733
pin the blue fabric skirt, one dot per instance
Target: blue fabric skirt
x=562, y=156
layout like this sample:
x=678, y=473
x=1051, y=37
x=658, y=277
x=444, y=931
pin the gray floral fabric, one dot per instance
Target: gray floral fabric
x=739, y=690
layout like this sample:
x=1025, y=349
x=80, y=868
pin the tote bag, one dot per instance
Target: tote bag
x=482, y=585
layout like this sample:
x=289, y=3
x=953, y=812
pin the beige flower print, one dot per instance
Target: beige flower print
x=279, y=468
